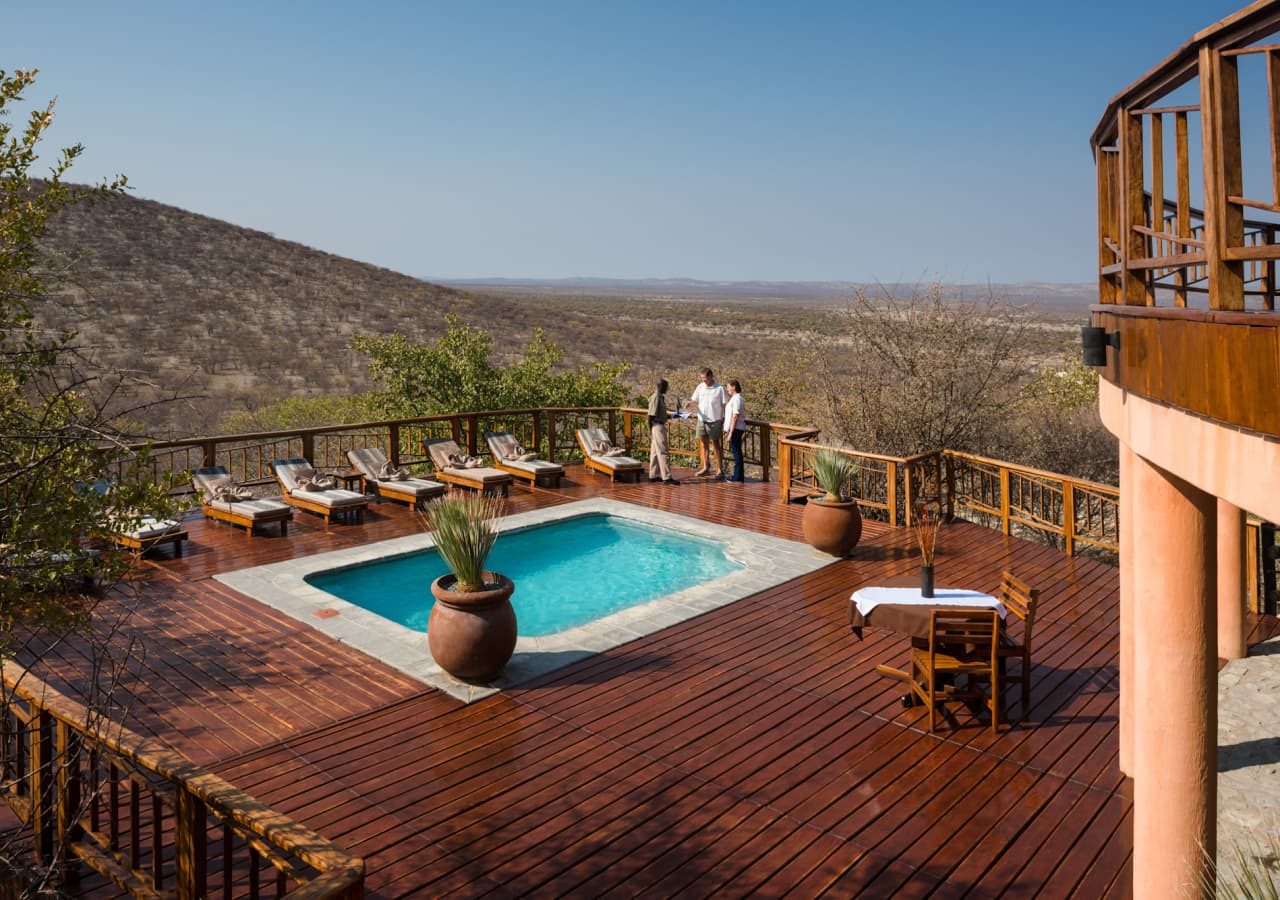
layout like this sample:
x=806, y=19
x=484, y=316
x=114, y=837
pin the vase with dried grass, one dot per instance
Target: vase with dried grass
x=926, y=519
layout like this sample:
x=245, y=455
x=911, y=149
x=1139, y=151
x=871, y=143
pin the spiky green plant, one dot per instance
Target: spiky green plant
x=834, y=471
x=462, y=526
x=1253, y=874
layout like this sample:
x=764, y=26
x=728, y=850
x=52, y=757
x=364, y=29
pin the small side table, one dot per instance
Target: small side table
x=352, y=480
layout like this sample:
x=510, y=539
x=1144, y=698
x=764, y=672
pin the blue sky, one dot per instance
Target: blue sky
x=725, y=141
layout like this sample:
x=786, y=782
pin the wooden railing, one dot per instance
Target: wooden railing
x=1149, y=234
x=1069, y=510
x=152, y=822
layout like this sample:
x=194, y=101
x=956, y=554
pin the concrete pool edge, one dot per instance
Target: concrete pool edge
x=767, y=561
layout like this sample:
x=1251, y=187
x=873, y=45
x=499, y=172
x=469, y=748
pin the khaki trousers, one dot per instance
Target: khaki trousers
x=659, y=457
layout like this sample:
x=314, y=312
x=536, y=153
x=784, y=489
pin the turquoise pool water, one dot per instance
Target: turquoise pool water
x=566, y=573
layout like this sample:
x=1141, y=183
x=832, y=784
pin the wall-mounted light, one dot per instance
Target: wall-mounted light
x=1095, y=341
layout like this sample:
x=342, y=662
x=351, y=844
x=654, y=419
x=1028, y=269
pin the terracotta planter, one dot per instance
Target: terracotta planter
x=832, y=527
x=472, y=635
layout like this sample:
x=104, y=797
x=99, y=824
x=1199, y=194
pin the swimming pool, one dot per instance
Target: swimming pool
x=566, y=573
x=761, y=562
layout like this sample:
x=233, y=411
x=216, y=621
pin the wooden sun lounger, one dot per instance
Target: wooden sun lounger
x=613, y=466
x=248, y=514
x=370, y=460
x=328, y=503
x=486, y=479
x=532, y=471
x=150, y=534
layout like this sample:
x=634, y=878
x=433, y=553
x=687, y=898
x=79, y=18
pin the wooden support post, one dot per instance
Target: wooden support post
x=1223, y=177
x=309, y=448
x=1068, y=518
x=766, y=450
x=43, y=785
x=891, y=492
x=626, y=429
x=473, y=428
x=190, y=856
x=1182, y=170
x=1252, y=541
x=1107, y=292
x=613, y=425
x=784, y=471
x=68, y=750
x=393, y=437
x=551, y=435
x=537, y=430
x=1004, y=500
x=1135, y=283
x=209, y=453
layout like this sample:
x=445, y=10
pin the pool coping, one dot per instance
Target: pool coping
x=767, y=561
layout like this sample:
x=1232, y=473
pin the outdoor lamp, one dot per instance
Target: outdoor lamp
x=1094, y=340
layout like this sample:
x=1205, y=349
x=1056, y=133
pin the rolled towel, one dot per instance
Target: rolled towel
x=311, y=480
x=388, y=472
x=224, y=489
x=463, y=461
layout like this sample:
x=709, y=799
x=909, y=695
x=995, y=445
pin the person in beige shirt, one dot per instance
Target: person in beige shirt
x=659, y=455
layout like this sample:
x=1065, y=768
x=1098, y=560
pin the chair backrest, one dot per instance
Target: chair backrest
x=590, y=438
x=202, y=479
x=502, y=444
x=440, y=450
x=960, y=629
x=1020, y=599
x=285, y=470
x=369, y=460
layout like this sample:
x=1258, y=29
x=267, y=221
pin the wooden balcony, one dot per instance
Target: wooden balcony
x=751, y=749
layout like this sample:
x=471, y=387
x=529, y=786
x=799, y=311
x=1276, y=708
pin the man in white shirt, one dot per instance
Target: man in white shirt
x=709, y=401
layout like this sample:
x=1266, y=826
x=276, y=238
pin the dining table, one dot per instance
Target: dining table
x=897, y=604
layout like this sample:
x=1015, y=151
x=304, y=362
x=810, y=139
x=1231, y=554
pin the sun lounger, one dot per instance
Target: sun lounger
x=506, y=451
x=377, y=471
x=328, y=503
x=247, y=512
x=149, y=532
x=590, y=440
x=444, y=454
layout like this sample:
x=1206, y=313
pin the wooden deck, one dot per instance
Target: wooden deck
x=752, y=749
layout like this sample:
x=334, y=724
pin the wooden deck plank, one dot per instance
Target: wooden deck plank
x=750, y=749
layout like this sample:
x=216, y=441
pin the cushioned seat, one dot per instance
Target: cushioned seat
x=374, y=466
x=444, y=452
x=589, y=440
x=327, y=503
x=247, y=513
x=506, y=450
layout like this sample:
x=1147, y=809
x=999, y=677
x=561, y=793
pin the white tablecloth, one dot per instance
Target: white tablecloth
x=868, y=598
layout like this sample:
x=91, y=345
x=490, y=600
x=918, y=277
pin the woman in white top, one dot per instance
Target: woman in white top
x=735, y=422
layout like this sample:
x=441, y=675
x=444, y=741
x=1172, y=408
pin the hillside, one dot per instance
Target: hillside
x=229, y=317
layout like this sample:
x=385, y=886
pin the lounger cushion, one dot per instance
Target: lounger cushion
x=151, y=527
x=484, y=475
x=619, y=463
x=416, y=487
x=536, y=466
x=333, y=498
x=251, y=509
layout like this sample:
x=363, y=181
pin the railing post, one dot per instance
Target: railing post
x=1069, y=517
x=43, y=788
x=209, y=453
x=1004, y=500
x=190, y=857
x=68, y=750
x=766, y=451
x=613, y=425
x=537, y=430
x=947, y=462
x=784, y=471
x=1223, y=177
x=309, y=448
x=1252, y=563
x=393, y=435
x=891, y=492
x=473, y=427
x=626, y=429
x=1135, y=283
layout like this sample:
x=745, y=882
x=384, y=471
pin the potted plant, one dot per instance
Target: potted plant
x=833, y=524
x=472, y=629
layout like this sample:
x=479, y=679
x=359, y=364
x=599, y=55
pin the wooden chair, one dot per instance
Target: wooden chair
x=370, y=461
x=613, y=466
x=1021, y=600
x=485, y=479
x=248, y=514
x=961, y=642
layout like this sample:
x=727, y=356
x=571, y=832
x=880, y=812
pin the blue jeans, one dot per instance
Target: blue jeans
x=735, y=447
